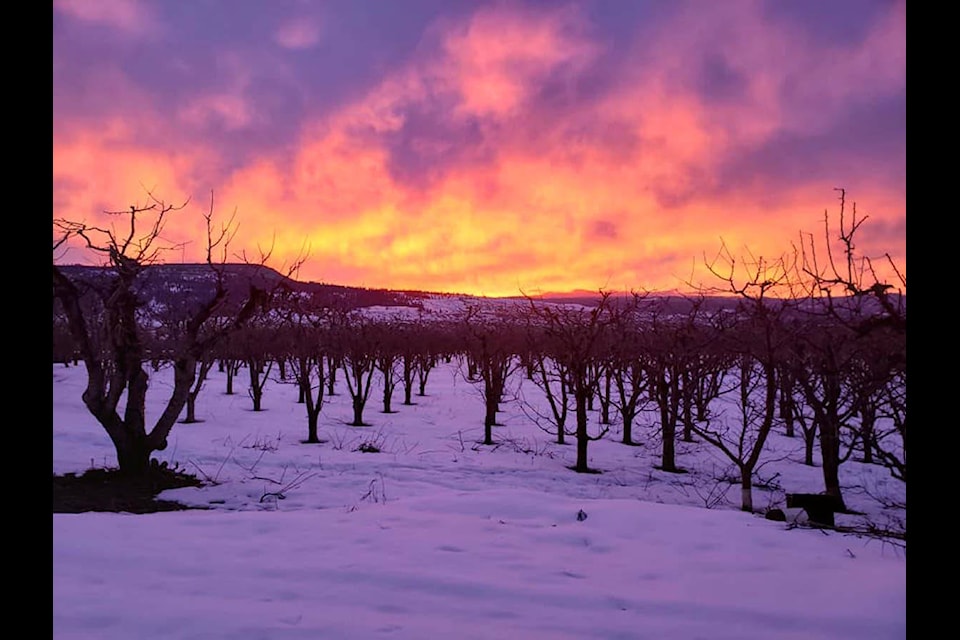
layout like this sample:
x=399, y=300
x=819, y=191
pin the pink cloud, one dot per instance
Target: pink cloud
x=497, y=58
x=297, y=34
x=130, y=16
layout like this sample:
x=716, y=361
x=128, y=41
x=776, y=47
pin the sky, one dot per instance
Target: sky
x=437, y=536
x=486, y=147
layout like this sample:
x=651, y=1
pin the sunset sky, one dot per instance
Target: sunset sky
x=486, y=147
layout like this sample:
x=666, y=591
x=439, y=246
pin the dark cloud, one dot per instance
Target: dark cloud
x=827, y=21
x=868, y=140
x=604, y=229
x=718, y=80
x=431, y=142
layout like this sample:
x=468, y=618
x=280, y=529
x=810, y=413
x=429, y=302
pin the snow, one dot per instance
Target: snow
x=437, y=536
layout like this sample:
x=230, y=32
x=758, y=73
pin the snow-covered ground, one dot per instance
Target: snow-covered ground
x=437, y=536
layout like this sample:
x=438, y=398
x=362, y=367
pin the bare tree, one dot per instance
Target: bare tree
x=387, y=360
x=549, y=373
x=757, y=341
x=356, y=340
x=304, y=343
x=890, y=442
x=113, y=350
x=490, y=347
x=847, y=287
x=672, y=341
x=578, y=338
x=846, y=302
x=204, y=364
x=625, y=363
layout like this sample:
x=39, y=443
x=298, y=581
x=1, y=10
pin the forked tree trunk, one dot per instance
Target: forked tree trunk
x=423, y=372
x=409, y=369
x=203, y=369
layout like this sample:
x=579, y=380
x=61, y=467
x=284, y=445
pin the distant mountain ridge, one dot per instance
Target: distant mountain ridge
x=166, y=283
x=162, y=281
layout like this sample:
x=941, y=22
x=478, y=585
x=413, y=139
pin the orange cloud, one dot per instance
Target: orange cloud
x=622, y=192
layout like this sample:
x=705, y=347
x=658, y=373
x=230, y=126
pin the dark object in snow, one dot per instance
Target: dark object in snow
x=109, y=490
x=776, y=514
x=820, y=507
x=581, y=515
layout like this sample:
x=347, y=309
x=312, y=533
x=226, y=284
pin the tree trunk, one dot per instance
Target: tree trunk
x=313, y=418
x=191, y=410
x=490, y=417
x=687, y=416
x=605, y=398
x=133, y=456
x=746, y=490
x=830, y=455
x=669, y=407
x=408, y=373
x=332, y=377
x=868, y=420
x=358, y=403
x=582, y=400
x=388, y=397
x=422, y=374
x=627, y=429
x=668, y=455
x=787, y=404
x=809, y=442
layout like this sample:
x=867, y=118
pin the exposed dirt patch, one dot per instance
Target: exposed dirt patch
x=108, y=490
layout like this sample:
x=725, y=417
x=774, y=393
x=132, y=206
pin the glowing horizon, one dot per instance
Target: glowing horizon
x=487, y=148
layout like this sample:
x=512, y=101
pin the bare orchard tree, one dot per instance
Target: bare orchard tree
x=890, y=438
x=356, y=338
x=231, y=366
x=578, y=339
x=204, y=364
x=490, y=344
x=849, y=286
x=388, y=360
x=257, y=344
x=549, y=373
x=625, y=363
x=876, y=366
x=823, y=355
x=421, y=341
x=756, y=341
x=671, y=342
x=304, y=342
x=104, y=321
x=308, y=344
